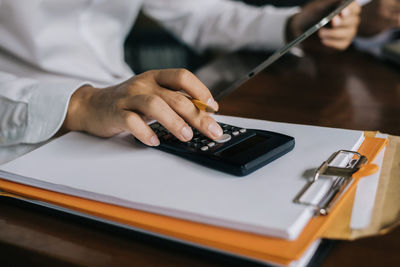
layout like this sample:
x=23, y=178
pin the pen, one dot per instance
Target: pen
x=198, y=103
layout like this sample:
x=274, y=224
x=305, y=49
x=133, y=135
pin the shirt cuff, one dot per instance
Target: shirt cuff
x=47, y=109
x=272, y=33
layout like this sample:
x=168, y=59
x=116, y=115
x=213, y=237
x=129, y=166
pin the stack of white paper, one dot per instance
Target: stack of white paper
x=123, y=172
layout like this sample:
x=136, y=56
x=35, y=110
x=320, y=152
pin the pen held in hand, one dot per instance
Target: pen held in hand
x=198, y=103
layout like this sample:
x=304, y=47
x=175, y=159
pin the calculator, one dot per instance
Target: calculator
x=239, y=151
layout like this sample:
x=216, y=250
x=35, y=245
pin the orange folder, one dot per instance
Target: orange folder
x=255, y=246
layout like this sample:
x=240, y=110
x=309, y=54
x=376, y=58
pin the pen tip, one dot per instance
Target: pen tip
x=210, y=110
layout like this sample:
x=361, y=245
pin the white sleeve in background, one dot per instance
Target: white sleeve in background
x=222, y=24
x=31, y=111
x=363, y=2
x=374, y=44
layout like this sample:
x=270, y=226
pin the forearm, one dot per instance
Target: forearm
x=221, y=24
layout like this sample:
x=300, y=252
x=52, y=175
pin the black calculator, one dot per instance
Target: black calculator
x=238, y=151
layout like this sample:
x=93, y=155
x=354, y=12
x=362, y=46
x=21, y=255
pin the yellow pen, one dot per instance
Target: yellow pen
x=198, y=103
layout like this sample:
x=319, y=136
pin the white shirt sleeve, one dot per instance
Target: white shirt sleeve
x=363, y=2
x=222, y=24
x=31, y=111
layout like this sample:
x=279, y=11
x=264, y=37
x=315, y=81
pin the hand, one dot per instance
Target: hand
x=124, y=107
x=378, y=16
x=343, y=26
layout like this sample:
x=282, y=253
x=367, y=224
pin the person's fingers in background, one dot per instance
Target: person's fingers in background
x=390, y=10
x=343, y=28
x=379, y=16
x=309, y=14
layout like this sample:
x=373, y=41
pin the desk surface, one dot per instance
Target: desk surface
x=347, y=90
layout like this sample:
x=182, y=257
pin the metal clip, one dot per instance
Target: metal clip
x=339, y=185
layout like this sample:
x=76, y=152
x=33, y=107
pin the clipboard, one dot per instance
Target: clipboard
x=253, y=246
x=386, y=211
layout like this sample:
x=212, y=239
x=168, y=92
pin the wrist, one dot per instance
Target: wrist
x=291, y=30
x=78, y=109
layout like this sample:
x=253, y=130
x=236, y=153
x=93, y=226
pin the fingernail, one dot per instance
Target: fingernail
x=211, y=102
x=154, y=141
x=187, y=133
x=345, y=12
x=215, y=129
x=336, y=21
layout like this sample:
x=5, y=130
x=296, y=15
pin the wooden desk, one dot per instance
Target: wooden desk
x=347, y=90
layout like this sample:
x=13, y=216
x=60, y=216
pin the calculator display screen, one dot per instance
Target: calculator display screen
x=244, y=146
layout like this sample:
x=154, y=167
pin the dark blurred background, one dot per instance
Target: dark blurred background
x=149, y=46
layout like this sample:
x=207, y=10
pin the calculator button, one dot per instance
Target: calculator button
x=211, y=144
x=235, y=133
x=168, y=137
x=204, y=148
x=161, y=134
x=242, y=130
x=156, y=126
x=224, y=138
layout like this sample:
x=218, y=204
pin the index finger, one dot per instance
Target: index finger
x=182, y=79
x=353, y=9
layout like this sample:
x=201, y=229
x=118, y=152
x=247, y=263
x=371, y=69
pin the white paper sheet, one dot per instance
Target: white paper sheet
x=121, y=172
x=365, y=195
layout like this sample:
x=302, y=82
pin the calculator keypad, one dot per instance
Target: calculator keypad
x=199, y=141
